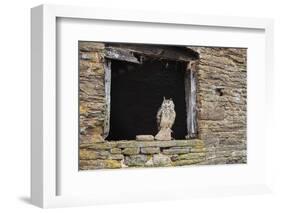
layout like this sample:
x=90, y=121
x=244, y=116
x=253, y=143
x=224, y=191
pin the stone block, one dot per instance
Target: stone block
x=92, y=155
x=93, y=56
x=176, y=150
x=174, y=157
x=149, y=162
x=135, y=160
x=187, y=162
x=144, y=137
x=131, y=151
x=99, y=146
x=150, y=150
x=116, y=151
x=116, y=157
x=191, y=156
x=209, y=138
x=90, y=46
x=161, y=144
x=212, y=113
x=196, y=150
x=161, y=160
x=99, y=164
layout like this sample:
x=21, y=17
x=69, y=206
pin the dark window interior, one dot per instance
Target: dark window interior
x=137, y=91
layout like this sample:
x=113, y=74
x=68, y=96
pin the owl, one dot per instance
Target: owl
x=166, y=114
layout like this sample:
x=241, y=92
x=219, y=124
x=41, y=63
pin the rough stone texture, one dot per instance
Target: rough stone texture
x=193, y=143
x=93, y=154
x=221, y=107
x=191, y=156
x=144, y=137
x=91, y=92
x=136, y=160
x=176, y=150
x=161, y=160
x=116, y=151
x=150, y=150
x=222, y=103
x=131, y=151
x=99, y=164
x=222, y=89
x=105, y=155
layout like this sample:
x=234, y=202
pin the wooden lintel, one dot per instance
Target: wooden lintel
x=120, y=54
x=177, y=53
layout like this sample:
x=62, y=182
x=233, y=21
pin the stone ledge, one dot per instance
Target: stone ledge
x=193, y=143
x=123, y=154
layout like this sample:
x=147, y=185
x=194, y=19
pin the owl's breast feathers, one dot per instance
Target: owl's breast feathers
x=167, y=118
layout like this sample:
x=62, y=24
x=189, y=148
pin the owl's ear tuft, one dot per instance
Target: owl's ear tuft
x=164, y=98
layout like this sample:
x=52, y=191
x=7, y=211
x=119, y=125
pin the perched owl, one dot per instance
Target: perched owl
x=165, y=119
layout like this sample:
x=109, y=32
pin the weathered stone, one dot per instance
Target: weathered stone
x=236, y=160
x=123, y=165
x=127, y=144
x=93, y=56
x=237, y=147
x=91, y=94
x=90, y=46
x=187, y=162
x=99, y=146
x=96, y=138
x=116, y=157
x=176, y=150
x=216, y=161
x=211, y=113
x=135, y=160
x=209, y=138
x=116, y=151
x=150, y=150
x=144, y=137
x=92, y=155
x=161, y=144
x=242, y=153
x=200, y=150
x=131, y=151
x=161, y=160
x=99, y=164
x=149, y=163
x=222, y=99
x=190, y=156
x=174, y=157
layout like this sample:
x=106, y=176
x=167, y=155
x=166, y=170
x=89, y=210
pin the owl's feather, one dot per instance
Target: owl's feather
x=158, y=117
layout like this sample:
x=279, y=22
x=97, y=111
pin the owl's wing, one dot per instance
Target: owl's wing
x=158, y=116
x=173, y=117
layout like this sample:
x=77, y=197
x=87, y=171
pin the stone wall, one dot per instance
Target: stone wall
x=91, y=92
x=123, y=154
x=221, y=105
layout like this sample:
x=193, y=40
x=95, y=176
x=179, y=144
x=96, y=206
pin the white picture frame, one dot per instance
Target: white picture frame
x=44, y=148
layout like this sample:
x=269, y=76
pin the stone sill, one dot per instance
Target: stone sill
x=192, y=143
x=132, y=153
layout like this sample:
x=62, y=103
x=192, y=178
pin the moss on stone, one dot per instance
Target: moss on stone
x=131, y=151
x=116, y=151
x=187, y=162
x=99, y=164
